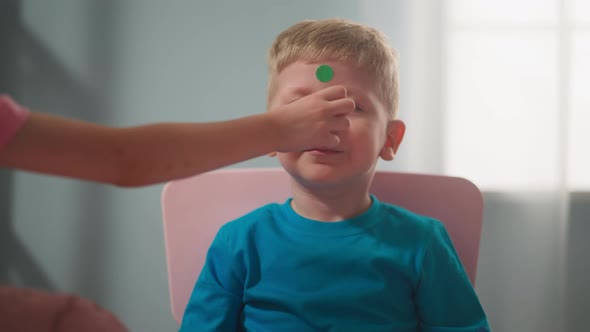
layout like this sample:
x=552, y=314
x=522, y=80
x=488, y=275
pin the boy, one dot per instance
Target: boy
x=334, y=258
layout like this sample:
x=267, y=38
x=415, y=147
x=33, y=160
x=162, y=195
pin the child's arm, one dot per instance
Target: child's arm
x=156, y=153
x=446, y=300
x=216, y=301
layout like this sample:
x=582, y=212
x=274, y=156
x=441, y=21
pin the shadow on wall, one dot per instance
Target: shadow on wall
x=15, y=261
x=578, y=264
x=34, y=76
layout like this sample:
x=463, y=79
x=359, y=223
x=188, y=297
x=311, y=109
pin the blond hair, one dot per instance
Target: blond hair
x=340, y=40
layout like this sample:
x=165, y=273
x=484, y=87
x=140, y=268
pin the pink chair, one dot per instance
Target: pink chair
x=195, y=208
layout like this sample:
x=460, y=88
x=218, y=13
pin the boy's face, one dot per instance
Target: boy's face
x=372, y=134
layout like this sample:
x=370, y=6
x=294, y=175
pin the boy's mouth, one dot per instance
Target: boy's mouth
x=322, y=151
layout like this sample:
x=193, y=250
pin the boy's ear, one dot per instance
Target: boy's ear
x=395, y=135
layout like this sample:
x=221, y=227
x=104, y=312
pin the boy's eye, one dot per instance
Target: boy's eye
x=358, y=109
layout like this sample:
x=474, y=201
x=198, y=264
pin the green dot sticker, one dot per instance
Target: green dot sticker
x=324, y=73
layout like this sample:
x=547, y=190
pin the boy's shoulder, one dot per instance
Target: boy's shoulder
x=409, y=221
x=254, y=218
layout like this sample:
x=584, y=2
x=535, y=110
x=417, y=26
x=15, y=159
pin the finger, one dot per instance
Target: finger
x=339, y=123
x=334, y=92
x=332, y=141
x=341, y=107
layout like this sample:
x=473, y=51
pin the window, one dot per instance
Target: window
x=518, y=100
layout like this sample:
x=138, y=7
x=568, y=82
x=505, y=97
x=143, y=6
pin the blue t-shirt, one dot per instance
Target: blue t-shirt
x=387, y=269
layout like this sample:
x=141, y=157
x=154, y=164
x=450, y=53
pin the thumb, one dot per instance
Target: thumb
x=332, y=141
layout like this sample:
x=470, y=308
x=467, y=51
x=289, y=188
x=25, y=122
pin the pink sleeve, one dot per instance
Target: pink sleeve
x=12, y=118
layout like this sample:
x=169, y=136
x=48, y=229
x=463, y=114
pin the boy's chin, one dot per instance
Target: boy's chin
x=318, y=176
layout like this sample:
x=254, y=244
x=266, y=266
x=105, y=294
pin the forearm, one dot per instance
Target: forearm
x=162, y=152
x=140, y=155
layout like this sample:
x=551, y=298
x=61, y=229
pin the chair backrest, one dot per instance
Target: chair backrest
x=195, y=208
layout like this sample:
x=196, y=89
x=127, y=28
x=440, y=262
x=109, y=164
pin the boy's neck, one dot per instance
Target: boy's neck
x=329, y=205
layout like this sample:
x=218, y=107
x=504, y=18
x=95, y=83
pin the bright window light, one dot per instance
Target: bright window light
x=504, y=11
x=501, y=109
x=579, y=126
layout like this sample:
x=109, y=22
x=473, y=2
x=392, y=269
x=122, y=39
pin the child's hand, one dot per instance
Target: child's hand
x=314, y=121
